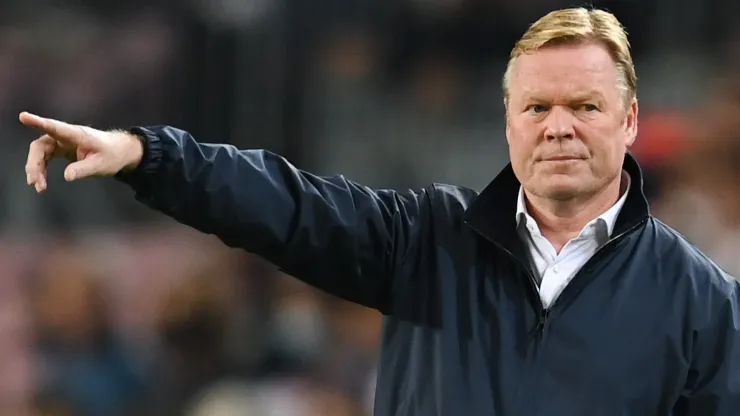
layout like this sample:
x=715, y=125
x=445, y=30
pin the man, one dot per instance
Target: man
x=552, y=292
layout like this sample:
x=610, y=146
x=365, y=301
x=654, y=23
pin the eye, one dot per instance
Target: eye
x=537, y=108
x=590, y=107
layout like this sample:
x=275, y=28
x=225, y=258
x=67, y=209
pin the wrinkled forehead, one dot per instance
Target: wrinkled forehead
x=565, y=72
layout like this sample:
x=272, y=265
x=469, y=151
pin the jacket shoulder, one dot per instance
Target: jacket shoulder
x=679, y=254
x=451, y=198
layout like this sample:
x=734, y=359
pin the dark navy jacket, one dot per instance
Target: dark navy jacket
x=648, y=327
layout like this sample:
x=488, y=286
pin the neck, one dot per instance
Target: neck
x=562, y=220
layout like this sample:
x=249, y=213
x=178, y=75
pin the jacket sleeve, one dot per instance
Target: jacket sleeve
x=336, y=235
x=713, y=384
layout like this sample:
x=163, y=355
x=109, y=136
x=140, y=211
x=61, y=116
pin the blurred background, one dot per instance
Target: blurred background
x=109, y=309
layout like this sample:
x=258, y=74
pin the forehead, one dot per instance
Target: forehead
x=564, y=71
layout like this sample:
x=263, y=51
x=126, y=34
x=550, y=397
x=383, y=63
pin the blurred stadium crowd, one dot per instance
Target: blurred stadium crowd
x=109, y=309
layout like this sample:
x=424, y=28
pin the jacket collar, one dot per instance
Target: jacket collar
x=493, y=213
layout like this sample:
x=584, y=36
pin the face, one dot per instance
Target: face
x=567, y=124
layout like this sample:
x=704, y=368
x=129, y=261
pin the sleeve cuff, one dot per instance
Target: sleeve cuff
x=151, y=160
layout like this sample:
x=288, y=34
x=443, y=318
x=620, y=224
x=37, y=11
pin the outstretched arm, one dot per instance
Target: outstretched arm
x=334, y=234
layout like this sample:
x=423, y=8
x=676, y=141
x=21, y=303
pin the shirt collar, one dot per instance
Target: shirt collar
x=608, y=219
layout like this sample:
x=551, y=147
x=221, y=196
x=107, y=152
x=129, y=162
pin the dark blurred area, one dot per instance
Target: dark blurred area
x=109, y=309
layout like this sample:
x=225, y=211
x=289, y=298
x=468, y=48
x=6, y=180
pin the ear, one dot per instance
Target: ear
x=630, y=123
x=506, y=115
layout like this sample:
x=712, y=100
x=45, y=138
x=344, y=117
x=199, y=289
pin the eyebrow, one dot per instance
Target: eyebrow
x=590, y=95
x=579, y=97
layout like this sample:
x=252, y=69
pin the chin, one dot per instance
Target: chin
x=561, y=187
x=562, y=193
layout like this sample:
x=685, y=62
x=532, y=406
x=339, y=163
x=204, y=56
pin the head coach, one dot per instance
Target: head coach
x=553, y=292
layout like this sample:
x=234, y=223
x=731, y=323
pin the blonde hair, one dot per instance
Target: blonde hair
x=576, y=26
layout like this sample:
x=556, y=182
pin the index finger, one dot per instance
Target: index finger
x=59, y=130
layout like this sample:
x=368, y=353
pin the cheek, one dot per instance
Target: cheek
x=520, y=154
x=521, y=142
x=605, y=141
x=607, y=157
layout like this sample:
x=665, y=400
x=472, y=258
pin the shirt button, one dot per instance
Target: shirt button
x=555, y=269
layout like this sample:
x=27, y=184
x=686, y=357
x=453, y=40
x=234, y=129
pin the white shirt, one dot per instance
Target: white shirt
x=554, y=271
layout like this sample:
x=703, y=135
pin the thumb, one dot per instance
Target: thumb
x=84, y=168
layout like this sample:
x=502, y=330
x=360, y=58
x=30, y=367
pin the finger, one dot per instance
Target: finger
x=39, y=153
x=84, y=168
x=60, y=130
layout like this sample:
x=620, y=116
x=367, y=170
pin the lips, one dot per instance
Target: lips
x=561, y=158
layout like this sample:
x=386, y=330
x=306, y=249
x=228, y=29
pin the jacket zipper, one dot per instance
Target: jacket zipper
x=543, y=314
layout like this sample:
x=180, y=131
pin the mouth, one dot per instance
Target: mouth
x=561, y=159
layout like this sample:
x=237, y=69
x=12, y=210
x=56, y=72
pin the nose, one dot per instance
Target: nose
x=559, y=124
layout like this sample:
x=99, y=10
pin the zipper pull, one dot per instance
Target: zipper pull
x=540, y=326
x=542, y=321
